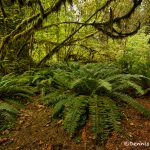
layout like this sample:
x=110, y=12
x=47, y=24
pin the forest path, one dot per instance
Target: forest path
x=34, y=131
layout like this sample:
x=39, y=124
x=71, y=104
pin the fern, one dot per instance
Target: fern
x=12, y=87
x=15, y=103
x=125, y=85
x=84, y=85
x=9, y=85
x=136, y=87
x=7, y=115
x=114, y=114
x=37, y=78
x=24, y=80
x=8, y=108
x=103, y=84
x=74, y=114
x=53, y=97
x=133, y=103
x=104, y=116
x=95, y=114
x=91, y=92
x=59, y=108
x=63, y=79
x=9, y=91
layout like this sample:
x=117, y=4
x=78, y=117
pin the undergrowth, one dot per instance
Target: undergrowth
x=94, y=93
x=13, y=96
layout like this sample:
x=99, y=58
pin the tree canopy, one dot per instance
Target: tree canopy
x=64, y=29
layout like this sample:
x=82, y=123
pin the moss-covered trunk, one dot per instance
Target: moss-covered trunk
x=17, y=58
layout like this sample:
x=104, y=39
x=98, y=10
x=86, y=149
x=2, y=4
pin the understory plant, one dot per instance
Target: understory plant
x=94, y=92
x=13, y=94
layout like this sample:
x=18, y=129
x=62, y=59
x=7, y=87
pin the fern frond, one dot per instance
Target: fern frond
x=74, y=114
x=7, y=115
x=127, y=84
x=104, y=84
x=8, y=108
x=58, y=108
x=136, y=87
x=104, y=116
x=22, y=95
x=37, y=78
x=8, y=76
x=96, y=117
x=6, y=83
x=133, y=103
x=14, y=90
x=24, y=80
x=120, y=77
x=54, y=97
x=15, y=102
x=84, y=85
x=63, y=79
x=114, y=114
x=106, y=71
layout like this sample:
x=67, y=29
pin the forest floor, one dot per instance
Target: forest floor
x=34, y=131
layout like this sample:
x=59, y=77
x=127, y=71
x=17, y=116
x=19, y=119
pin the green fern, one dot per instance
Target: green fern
x=18, y=104
x=7, y=115
x=62, y=79
x=103, y=84
x=8, y=108
x=133, y=103
x=104, y=116
x=58, y=109
x=84, y=85
x=12, y=90
x=53, y=97
x=92, y=92
x=74, y=114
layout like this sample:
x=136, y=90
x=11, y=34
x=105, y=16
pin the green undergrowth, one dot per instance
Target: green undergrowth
x=94, y=93
x=13, y=96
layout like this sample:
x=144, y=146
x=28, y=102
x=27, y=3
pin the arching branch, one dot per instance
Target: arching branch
x=57, y=48
x=20, y=29
x=118, y=35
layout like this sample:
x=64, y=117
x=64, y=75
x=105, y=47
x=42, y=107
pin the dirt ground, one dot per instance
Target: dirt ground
x=135, y=134
x=34, y=131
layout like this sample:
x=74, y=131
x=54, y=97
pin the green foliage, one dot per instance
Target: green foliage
x=76, y=114
x=133, y=103
x=10, y=89
x=77, y=93
x=93, y=93
x=14, y=92
x=7, y=115
x=135, y=56
x=53, y=97
x=104, y=115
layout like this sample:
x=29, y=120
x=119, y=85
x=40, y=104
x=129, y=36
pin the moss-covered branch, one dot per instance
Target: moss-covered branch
x=57, y=48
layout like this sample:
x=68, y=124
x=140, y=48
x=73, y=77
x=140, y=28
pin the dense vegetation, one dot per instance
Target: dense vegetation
x=83, y=65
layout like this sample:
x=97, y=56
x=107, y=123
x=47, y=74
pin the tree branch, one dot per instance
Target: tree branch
x=57, y=48
x=118, y=35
